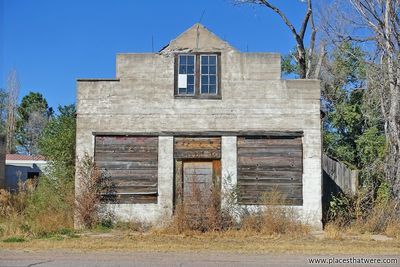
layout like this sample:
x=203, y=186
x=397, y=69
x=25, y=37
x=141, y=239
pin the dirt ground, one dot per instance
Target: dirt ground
x=125, y=241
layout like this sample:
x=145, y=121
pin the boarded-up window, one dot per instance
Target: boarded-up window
x=270, y=164
x=132, y=163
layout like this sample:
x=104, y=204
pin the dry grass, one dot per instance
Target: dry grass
x=274, y=218
x=393, y=228
x=203, y=212
x=230, y=241
x=363, y=213
x=333, y=232
x=200, y=211
x=34, y=210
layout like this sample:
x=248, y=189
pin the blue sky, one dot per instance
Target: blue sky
x=51, y=43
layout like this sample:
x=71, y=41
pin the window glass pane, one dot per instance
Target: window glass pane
x=182, y=69
x=190, y=69
x=213, y=89
x=204, y=89
x=204, y=79
x=190, y=79
x=213, y=69
x=182, y=91
x=212, y=60
x=204, y=60
x=190, y=60
x=182, y=60
x=213, y=79
x=204, y=70
x=190, y=89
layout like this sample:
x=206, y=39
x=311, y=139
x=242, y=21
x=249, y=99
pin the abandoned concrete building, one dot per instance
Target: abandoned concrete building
x=200, y=111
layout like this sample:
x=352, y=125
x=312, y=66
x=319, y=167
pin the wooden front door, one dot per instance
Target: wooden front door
x=197, y=180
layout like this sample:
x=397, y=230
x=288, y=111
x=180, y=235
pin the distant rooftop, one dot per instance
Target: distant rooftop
x=25, y=157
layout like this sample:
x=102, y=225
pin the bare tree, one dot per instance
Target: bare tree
x=33, y=130
x=303, y=57
x=13, y=87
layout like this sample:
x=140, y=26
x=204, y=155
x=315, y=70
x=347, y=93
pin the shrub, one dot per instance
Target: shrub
x=95, y=187
x=200, y=211
x=369, y=210
x=204, y=212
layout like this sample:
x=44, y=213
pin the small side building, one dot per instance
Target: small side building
x=21, y=168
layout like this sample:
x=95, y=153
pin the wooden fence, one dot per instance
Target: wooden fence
x=337, y=177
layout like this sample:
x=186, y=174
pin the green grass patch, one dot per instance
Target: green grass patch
x=14, y=239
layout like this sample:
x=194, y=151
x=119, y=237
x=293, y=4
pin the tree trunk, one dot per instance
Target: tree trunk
x=392, y=165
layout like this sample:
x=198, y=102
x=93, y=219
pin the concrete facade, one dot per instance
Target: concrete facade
x=253, y=98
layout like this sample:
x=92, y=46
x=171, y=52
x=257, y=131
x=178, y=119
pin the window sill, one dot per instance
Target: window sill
x=212, y=97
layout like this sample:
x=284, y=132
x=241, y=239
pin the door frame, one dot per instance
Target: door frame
x=178, y=177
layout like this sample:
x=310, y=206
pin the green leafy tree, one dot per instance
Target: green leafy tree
x=54, y=194
x=33, y=115
x=353, y=129
x=57, y=143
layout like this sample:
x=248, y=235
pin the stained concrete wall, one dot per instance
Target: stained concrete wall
x=253, y=98
x=2, y=160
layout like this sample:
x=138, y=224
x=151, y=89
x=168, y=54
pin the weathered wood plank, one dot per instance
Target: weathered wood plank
x=268, y=180
x=284, y=188
x=124, y=140
x=121, y=165
x=133, y=156
x=197, y=142
x=197, y=154
x=242, y=172
x=136, y=189
x=270, y=161
x=136, y=199
x=257, y=142
x=125, y=148
x=259, y=200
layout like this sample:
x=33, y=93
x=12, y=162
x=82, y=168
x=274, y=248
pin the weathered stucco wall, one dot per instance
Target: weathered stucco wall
x=253, y=98
x=2, y=160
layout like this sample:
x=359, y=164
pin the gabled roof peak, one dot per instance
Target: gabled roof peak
x=197, y=39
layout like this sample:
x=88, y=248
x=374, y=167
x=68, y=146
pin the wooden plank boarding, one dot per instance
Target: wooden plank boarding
x=270, y=164
x=197, y=147
x=132, y=163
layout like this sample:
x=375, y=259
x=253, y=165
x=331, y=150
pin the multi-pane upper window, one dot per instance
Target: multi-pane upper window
x=197, y=75
x=186, y=77
x=208, y=74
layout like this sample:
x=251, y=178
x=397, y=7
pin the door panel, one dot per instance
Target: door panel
x=198, y=180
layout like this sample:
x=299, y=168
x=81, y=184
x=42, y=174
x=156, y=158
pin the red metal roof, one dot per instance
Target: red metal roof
x=24, y=157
